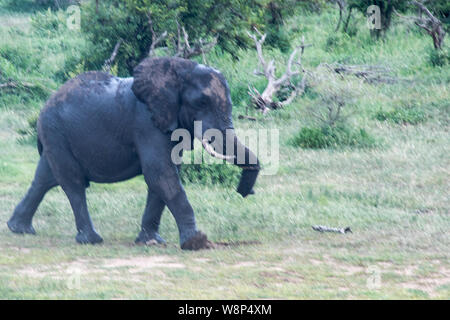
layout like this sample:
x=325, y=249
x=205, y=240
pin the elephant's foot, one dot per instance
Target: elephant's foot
x=18, y=226
x=149, y=238
x=197, y=242
x=89, y=237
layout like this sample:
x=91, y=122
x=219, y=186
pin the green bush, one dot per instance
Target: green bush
x=386, y=11
x=337, y=42
x=402, y=115
x=439, y=58
x=49, y=23
x=332, y=137
x=16, y=56
x=279, y=38
x=56, y=4
x=29, y=133
x=227, y=20
x=223, y=174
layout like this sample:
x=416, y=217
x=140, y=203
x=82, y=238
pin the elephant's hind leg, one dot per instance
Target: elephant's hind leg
x=77, y=197
x=71, y=178
x=21, y=220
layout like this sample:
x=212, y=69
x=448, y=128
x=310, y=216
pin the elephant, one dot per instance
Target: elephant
x=102, y=128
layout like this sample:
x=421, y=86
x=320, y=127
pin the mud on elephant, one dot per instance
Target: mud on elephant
x=105, y=129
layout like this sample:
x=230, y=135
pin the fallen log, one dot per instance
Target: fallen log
x=329, y=229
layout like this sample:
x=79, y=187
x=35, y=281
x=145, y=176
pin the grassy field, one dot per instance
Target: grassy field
x=394, y=196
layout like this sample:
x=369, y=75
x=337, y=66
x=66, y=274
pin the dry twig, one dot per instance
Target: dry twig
x=185, y=50
x=369, y=73
x=264, y=101
x=431, y=24
x=14, y=85
x=108, y=62
x=329, y=229
x=155, y=39
x=341, y=4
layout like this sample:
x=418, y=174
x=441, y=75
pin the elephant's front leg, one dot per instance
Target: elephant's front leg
x=163, y=180
x=150, y=220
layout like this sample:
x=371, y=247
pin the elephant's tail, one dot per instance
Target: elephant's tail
x=39, y=146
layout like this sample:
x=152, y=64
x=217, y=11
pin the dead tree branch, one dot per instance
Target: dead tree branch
x=108, y=62
x=341, y=4
x=184, y=48
x=13, y=85
x=264, y=101
x=155, y=39
x=16, y=85
x=369, y=73
x=241, y=116
x=431, y=24
x=331, y=229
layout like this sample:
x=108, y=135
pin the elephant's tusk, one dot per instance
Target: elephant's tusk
x=210, y=149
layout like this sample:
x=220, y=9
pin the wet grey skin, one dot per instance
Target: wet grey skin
x=106, y=129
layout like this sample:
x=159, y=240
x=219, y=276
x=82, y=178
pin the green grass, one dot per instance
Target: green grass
x=332, y=137
x=394, y=196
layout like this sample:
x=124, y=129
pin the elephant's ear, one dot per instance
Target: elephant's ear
x=158, y=84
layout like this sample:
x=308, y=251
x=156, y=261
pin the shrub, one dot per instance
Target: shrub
x=227, y=20
x=29, y=133
x=48, y=23
x=386, y=11
x=277, y=37
x=439, y=58
x=328, y=114
x=17, y=56
x=332, y=137
x=402, y=115
x=223, y=174
x=336, y=41
x=72, y=67
x=56, y=4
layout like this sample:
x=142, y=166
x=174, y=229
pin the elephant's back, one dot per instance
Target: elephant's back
x=75, y=91
x=92, y=102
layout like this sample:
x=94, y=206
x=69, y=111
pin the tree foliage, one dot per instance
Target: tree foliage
x=105, y=22
x=440, y=7
x=386, y=11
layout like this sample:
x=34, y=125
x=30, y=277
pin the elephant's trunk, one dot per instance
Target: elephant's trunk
x=241, y=156
x=248, y=161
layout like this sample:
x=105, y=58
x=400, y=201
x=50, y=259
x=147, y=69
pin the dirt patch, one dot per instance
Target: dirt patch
x=315, y=262
x=428, y=285
x=21, y=250
x=143, y=263
x=202, y=260
x=407, y=271
x=85, y=267
x=282, y=275
x=351, y=270
x=244, y=264
x=59, y=271
x=344, y=268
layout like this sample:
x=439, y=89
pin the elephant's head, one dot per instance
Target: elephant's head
x=179, y=92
